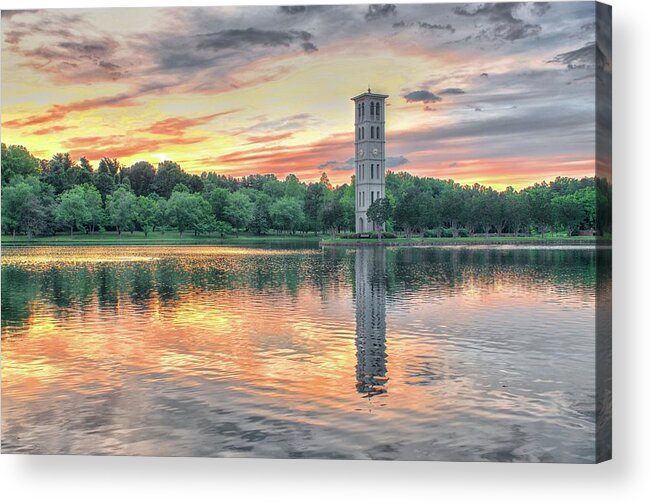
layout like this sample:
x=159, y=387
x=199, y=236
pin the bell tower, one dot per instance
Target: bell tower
x=369, y=155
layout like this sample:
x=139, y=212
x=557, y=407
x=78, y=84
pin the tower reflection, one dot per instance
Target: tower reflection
x=370, y=299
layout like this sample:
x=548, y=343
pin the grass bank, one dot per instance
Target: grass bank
x=155, y=238
x=553, y=240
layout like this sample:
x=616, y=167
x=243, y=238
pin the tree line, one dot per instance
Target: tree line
x=43, y=197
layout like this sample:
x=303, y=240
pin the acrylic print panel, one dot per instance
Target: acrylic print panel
x=350, y=232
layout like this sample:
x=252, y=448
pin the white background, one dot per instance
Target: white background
x=627, y=478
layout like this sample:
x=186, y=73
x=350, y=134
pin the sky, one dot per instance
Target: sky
x=495, y=93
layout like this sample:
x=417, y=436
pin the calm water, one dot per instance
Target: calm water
x=442, y=354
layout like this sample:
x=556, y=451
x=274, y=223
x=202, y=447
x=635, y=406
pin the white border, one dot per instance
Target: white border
x=627, y=478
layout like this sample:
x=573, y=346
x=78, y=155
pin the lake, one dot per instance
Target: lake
x=458, y=354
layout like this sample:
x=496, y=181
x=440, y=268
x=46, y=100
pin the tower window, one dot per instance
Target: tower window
x=372, y=194
x=372, y=132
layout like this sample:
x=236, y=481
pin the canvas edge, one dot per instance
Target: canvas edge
x=603, y=194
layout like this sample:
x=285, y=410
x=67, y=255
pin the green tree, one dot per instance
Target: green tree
x=141, y=176
x=72, y=211
x=379, y=212
x=80, y=174
x=16, y=160
x=168, y=175
x=261, y=221
x=223, y=228
x=161, y=212
x=490, y=209
x=122, y=209
x=409, y=210
x=451, y=202
x=93, y=200
x=568, y=212
x=239, y=210
x=274, y=188
x=188, y=211
x=332, y=215
x=293, y=187
x=104, y=184
x=347, y=201
x=539, y=200
x=22, y=206
x=147, y=214
x=218, y=198
x=109, y=166
x=516, y=210
x=59, y=172
x=587, y=198
x=314, y=198
x=287, y=214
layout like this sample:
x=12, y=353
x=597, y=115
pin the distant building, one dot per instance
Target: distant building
x=369, y=155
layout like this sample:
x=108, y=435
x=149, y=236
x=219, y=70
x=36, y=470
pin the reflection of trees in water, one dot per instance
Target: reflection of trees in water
x=19, y=288
x=409, y=271
x=370, y=314
x=449, y=270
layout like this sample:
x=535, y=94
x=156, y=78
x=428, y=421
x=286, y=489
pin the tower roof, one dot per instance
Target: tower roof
x=369, y=94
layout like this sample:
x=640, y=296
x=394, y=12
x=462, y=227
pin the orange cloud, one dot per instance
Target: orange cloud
x=178, y=125
x=59, y=112
x=284, y=159
x=96, y=147
x=50, y=130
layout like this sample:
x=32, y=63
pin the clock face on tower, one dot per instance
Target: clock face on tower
x=375, y=151
x=360, y=152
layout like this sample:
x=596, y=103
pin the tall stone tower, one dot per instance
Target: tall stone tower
x=369, y=155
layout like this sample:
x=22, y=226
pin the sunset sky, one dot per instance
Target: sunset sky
x=500, y=94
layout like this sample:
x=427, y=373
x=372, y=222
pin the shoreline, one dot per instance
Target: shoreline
x=474, y=243
x=155, y=241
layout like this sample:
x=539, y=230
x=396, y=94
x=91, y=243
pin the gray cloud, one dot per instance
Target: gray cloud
x=291, y=10
x=237, y=39
x=583, y=58
x=421, y=96
x=379, y=11
x=85, y=58
x=425, y=26
x=452, y=90
x=8, y=14
x=428, y=26
x=347, y=165
x=539, y=130
x=394, y=162
x=503, y=23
